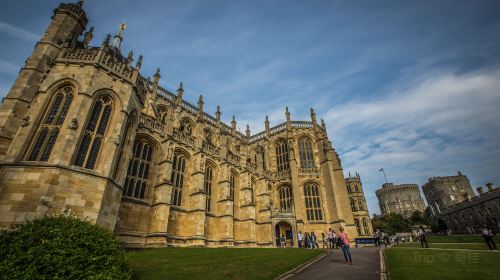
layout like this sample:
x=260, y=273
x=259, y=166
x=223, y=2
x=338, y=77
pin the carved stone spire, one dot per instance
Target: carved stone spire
x=288, y=120
x=248, y=131
x=217, y=115
x=200, y=105
x=87, y=37
x=156, y=81
x=180, y=93
x=233, y=123
x=266, y=123
x=323, y=126
x=107, y=39
x=139, y=63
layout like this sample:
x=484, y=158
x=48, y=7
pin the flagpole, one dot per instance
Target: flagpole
x=383, y=171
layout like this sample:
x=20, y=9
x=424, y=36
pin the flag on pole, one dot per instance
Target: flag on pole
x=381, y=169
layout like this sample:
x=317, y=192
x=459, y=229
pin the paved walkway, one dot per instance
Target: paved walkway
x=366, y=266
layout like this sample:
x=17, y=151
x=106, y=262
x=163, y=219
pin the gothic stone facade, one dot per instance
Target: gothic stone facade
x=401, y=199
x=358, y=205
x=82, y=129
x=470, y=216
x=446, y=191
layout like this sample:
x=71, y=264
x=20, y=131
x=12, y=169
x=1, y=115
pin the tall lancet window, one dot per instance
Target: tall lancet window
x=306, y=153
x=52, y=121
x=313, y=202
x=177, y=179
x=94, y=132
x=138, y=169
x=208, y=187
x=282, y=156
x=285, y=196
x=232, y=182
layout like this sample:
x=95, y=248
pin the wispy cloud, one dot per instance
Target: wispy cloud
x=447, y=123
x=18, y=32
x=9, y=68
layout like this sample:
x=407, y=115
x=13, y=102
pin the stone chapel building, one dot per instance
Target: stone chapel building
x=82, y=129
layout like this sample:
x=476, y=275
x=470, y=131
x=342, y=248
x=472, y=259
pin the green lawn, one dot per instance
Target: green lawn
x=459, y=239
x=467, y=246
x=216, y=263
x=430, y=264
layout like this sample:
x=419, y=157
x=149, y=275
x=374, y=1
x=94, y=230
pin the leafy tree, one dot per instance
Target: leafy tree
x=61, y=247
x=418, y=218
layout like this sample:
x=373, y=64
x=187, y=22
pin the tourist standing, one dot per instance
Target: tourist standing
x=314, y=241
x=299, y=239
x=331, y=238
x=488, y=235
x=306, y=240
x=283, y=241
x=325, y=240
x=421, y=237
x=376, y=235
x=345, y=245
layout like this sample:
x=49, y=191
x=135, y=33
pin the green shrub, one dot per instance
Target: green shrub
x=61, y=247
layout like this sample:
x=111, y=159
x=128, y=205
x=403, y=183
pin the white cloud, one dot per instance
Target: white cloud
x=447, y=123
x=18, y=32
x=9, y=68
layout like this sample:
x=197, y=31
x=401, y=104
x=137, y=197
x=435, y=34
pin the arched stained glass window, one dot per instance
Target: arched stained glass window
x=353, y=205
x=282, y=156
x=94, y=132
x=285, y=196
x=313, y=202
x=358, y=227
x=177, y=179
x=48, y=131
x=360, y=205
x=349, y=190
x=306, y=153
x=138, y=170
x=208, y=187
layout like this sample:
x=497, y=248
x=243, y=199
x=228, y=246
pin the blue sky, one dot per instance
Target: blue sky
x=411, y=86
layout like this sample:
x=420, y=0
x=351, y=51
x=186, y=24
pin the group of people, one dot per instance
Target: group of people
x=330, y=240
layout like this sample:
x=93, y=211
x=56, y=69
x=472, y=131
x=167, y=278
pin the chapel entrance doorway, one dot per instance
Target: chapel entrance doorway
x=284, y=229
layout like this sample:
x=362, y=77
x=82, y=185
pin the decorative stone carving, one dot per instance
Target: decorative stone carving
x=26, y=121
x=116, y=140
x=73, y=124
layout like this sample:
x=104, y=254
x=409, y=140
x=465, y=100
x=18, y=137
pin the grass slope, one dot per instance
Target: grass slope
x=429, y=264
x=466, y=246
x=216, y=263
x=460, y=239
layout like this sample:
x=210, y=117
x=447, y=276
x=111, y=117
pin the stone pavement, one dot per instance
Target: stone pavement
x=366, y=266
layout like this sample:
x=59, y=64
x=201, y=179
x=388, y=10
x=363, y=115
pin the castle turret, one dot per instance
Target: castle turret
x=68, y=22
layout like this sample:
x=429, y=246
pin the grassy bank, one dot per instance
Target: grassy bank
x=459, y=239
x=216, y=263
x=466, y=246
x=409, y=263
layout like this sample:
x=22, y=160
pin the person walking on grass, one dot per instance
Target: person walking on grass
x=421, y=237
x=345, y=245
x=299, y=239
x=325, y=240
x=488, y=235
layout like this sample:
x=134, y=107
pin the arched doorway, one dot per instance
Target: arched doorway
x=285, y=229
